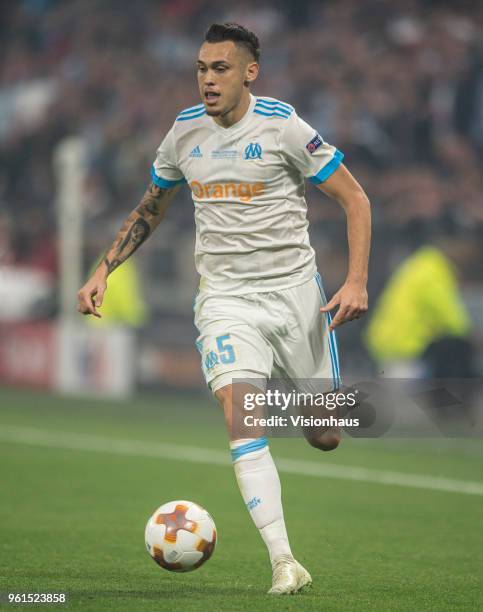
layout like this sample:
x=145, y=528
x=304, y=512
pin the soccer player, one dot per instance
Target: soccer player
x=260, y=306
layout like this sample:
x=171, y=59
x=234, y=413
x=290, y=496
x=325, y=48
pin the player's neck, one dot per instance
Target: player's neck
x=235, y=114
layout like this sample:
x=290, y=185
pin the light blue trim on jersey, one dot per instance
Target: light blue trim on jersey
x=274, y=114
x=329, y=169
x=269, y=111
x=264, y=106
x=193, y=109
x=272, y=108
x=199, y=113
x=275, y=103
x=164, y=183
x=334, y=354
x=280, y=109
x=249, y=447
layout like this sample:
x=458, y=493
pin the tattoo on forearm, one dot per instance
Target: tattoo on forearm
x=137, y=227
x=112, y=265
x=150, y=204
x=137, y=234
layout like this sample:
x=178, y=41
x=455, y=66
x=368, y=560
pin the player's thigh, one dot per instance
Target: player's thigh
x=307, y=355
x=229, y=342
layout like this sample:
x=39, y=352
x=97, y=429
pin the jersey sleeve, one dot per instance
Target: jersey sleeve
x=305, y=149
x=165, y=171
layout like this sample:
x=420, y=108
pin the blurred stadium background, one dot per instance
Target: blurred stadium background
x=87, y=92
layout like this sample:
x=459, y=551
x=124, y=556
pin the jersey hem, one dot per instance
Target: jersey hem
x=247, y=290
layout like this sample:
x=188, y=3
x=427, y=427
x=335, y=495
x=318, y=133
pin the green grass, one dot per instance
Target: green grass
x=73, y=521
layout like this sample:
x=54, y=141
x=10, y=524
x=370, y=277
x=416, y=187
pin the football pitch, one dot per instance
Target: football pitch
x=380, y=524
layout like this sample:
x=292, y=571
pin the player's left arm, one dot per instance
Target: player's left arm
x=352, y=296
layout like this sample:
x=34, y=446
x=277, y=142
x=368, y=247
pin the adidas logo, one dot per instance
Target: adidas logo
x=253, y=503
x=196, y=152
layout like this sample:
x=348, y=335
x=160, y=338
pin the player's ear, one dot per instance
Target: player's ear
x=251, y=72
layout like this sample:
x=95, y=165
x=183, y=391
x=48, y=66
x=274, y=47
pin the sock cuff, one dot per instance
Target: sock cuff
x=248, y=447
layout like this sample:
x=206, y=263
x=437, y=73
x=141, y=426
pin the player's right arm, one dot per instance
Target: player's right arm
x=321, y=163
x=135, y=230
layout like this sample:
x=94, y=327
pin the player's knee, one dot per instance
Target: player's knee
x=327, y=441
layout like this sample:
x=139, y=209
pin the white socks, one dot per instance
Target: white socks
x=259, y=485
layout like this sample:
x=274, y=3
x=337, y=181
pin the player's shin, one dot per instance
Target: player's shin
x=259, y=485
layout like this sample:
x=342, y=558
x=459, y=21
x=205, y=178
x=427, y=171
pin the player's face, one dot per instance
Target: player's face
x=224, y=70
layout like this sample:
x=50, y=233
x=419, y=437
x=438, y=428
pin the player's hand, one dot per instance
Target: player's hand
x=352, y=301
x=90, y=297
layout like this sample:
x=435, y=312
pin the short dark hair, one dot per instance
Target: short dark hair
x=218, y=32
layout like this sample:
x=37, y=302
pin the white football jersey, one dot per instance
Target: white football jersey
x=247, y=184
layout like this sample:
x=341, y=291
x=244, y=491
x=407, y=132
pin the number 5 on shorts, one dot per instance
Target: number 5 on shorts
x=226, y=352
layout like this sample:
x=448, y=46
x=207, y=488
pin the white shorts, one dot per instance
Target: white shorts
x=259, y=335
